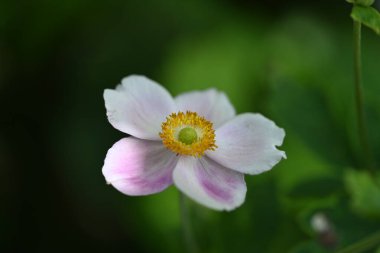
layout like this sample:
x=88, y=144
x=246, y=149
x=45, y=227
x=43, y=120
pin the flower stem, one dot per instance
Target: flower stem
x=363, y=245
x=362, y=127
x=187, y=232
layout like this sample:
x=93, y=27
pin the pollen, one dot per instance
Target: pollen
x=188, y=134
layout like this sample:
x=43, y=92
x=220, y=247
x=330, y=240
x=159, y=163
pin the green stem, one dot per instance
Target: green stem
x=363, y=245
x=186, y=225
x=362, y=127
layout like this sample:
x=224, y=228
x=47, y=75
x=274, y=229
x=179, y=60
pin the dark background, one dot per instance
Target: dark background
x=290, y=60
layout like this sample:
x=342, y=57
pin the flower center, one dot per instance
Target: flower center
x=188, y=134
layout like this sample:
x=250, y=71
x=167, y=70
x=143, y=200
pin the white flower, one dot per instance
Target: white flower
x=194, y=140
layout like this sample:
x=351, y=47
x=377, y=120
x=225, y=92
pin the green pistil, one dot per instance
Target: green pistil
x=187, y=135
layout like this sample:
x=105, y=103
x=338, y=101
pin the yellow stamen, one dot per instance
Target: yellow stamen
x=204, y=134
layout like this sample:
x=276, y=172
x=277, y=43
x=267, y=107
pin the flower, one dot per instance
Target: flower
x=194, y=140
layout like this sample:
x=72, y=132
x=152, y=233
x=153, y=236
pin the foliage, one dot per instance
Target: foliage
x=368, y=16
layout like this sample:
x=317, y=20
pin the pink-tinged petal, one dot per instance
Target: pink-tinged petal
x=248, y=143
x=138, y=107
x=209, y=183
x=211, y=104
x=139, y=167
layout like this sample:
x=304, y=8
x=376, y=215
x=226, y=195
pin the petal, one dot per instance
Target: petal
x=209, y=183
x=138, y=107
x=139, y=167
x=211, y=104
x=248, y=144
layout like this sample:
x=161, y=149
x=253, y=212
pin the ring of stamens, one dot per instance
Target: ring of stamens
x=188, y=134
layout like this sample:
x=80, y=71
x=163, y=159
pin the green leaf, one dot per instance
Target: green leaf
x=365, y=192
x=369, y=16
x=362, y=2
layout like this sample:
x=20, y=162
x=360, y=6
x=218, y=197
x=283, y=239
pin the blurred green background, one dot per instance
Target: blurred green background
x=289, y=60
